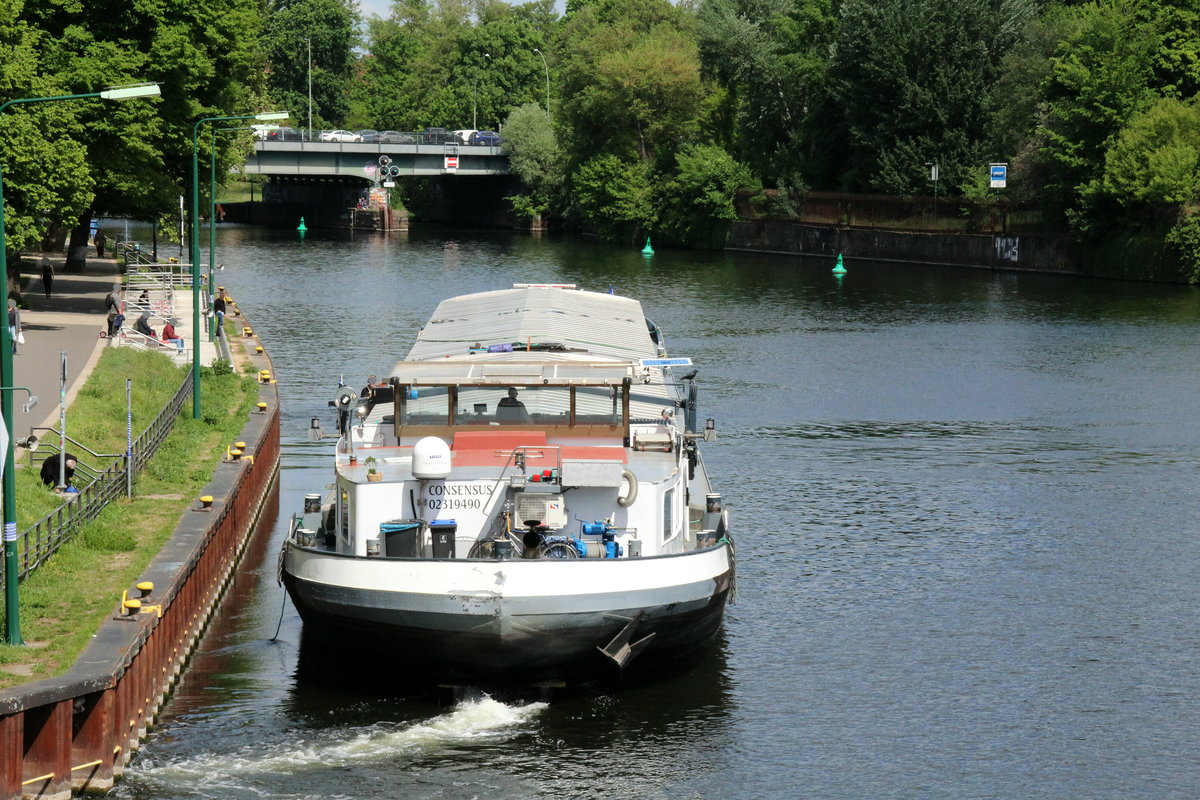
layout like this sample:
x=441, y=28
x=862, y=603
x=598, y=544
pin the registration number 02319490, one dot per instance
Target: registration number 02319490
x=451, y=503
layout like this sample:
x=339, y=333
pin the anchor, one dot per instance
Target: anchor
x=620, y=650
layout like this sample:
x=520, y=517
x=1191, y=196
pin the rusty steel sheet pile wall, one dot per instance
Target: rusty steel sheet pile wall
x=77, y=731
x=1002, y=251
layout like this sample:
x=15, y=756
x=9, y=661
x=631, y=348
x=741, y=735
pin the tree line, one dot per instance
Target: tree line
x=642, y=117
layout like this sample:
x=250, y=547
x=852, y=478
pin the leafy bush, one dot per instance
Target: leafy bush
x=1184, y=239
x=697, y=204
x=616, y=197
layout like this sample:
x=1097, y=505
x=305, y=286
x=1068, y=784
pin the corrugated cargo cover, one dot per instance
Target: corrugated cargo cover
x=602, y=324
x=472, y=371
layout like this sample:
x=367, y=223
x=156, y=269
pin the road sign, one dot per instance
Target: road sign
x=451, y=162
x=999, y=175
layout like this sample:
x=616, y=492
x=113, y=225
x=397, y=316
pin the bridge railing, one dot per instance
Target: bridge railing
x=430, y=136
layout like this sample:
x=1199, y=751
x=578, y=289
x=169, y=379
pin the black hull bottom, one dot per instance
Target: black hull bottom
x=437, y=657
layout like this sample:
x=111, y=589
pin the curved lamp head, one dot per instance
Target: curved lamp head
x=136, y=90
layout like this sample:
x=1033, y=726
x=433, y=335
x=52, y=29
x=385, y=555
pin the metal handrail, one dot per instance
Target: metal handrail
x=131, y=338
x=41, y=539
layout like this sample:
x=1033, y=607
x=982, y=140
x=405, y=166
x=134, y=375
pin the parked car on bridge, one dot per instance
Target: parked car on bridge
x=284, y=135
x=463, y=136
x=396, y=137
x=369, y=137
x=340, y=136
x=436, y=136
x=489, y=138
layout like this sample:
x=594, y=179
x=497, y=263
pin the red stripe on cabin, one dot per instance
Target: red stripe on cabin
x=494, y=448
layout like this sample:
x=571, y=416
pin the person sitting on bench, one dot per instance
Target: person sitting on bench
x=170, y=336
x=143, y=325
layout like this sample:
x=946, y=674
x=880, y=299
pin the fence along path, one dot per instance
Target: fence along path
x=39, y=541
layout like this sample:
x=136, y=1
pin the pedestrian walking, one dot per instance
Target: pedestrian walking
x=47, y=276
x=99, y=239
x=14, y=325
x=219, y=311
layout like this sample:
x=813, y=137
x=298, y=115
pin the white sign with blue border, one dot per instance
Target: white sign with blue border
x=999, y=175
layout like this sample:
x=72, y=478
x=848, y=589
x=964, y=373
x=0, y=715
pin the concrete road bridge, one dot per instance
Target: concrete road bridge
x=323, y=182
x=360, y=160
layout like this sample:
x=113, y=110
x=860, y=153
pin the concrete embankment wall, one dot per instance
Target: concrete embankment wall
x=1007, y=251
x=77, y=731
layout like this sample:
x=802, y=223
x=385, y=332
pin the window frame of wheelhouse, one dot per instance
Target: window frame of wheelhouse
x=402, y=392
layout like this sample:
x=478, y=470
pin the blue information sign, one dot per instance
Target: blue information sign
x=999, y=176
x=665, y=362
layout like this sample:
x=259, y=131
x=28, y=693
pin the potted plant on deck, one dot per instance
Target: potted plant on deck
x=373, y=473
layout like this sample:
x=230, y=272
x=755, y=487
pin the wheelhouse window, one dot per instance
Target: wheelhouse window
x=424, y=405
x=507, y=405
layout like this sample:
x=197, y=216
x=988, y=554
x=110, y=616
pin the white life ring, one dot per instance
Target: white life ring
x=626, y=500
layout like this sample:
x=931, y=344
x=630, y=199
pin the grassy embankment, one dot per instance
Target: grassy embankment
x=63, y=602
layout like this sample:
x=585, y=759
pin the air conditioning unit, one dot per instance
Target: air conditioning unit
x=549, y=509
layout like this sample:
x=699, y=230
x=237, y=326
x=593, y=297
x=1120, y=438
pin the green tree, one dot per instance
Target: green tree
x=138, y=154
x=452, y=63
x=771, y=58
x=632, y=95
x=615, y=196
x=1121, y=56
x=697, y=203
x=631, y=82
x=330, y=27
x=534, y=157
x=1015, y=105
x=126, y=158
x=35, y=141
x=909, y=79
x=1156, y=156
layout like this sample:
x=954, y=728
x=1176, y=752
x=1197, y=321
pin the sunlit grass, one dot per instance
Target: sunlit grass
x=64, y=602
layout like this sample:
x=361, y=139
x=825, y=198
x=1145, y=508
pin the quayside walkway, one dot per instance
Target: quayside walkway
x=71, y=321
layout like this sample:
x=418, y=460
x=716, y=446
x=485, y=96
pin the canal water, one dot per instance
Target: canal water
x=965, y=507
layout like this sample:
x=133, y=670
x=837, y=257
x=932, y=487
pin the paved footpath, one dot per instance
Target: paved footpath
x=70, y=320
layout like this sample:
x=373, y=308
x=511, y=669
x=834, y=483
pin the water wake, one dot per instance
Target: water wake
x=476, y=720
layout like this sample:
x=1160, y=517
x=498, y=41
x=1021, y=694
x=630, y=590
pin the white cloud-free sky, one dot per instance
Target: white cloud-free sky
x=381, y=8
x=374, y=8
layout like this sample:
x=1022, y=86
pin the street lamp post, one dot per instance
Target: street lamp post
x=195, y=243
x=11, y=602
x=933, y=176
x=212, y=214
x=309, y=40
x=547, y=68
x=474, y=88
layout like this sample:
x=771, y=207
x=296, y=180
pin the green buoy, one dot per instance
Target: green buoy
x=839, y=269
x=301, y=226
x=647, y=250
